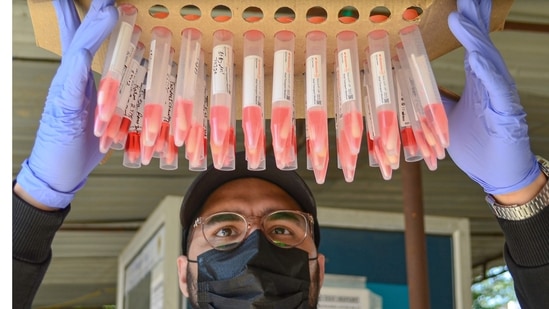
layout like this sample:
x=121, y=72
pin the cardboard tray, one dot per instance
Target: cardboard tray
x=432, y=21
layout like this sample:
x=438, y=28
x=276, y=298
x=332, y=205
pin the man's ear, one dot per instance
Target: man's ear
x=321, y=268
x=182, y=263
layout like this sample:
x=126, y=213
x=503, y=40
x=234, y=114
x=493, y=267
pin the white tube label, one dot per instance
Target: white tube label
x=222, y=66
x=345, y=77
x=314, y=81
x=252, y=81
x=283, y=76
x=380, y=79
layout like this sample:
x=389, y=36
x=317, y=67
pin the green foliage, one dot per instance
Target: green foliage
x=495, y=291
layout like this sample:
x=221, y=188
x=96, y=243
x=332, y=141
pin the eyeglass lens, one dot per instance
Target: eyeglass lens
x=225, y=231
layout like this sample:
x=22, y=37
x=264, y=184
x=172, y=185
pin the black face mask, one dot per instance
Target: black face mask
x=257, y=274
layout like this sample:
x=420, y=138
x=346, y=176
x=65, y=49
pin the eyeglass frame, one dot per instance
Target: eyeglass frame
x=309, y=221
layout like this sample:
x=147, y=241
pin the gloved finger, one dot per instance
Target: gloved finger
x=477, y=11
x=504, y=99
x=472, y=39
x=69, y=86
x=448, y=102
x=96, y=26
x=68, y=21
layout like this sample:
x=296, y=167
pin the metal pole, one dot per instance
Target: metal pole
x=414, y=232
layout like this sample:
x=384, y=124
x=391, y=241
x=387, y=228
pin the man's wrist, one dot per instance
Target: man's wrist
x=524, y=203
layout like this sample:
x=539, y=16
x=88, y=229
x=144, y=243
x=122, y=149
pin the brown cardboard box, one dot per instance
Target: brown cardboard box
x=432, y=21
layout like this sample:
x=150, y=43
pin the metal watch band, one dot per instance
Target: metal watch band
x=524, y=211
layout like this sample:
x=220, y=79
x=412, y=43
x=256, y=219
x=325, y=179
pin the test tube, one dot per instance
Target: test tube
x=349, y=90
x=346, y=157
x=222, y=141
x=186, y=86
x=119, y=51
x=383, y=89
x=372, y=161
x=165, y=147
x=159, y=61
x=253, y=119
x=316, y=118
x=196, y=143
x=123, y=109
x=378, y=157
x=133, y=93
x=423, y=134
x=422, y=73
x=282, y=108
x=132, y=149
x=167, y=110
x=409, y=144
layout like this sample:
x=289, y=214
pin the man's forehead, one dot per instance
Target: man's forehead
x=248, y=195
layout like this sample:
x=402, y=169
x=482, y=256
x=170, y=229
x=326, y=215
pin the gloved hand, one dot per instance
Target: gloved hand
x=488, y=130
x=65, y=149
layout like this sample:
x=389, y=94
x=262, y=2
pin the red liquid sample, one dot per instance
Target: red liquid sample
x=152, y=120
x=347, y=159
x=162, y=138
x=194, y=146
x=389, y=139
x=254, y=135
x=436, y=116
x=170, y=153
x=182, y=117
x=283, y=136
x=107, y=98
x=353, y=126
x=409, y=141
x=222, y=135
x=132, y=151
x=123, y=130
x=317, y=129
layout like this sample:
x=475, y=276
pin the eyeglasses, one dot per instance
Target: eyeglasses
x=284, y=228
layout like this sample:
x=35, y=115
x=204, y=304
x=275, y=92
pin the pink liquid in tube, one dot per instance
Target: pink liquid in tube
x=383, y=94
x=253, y=120
x=119, y=52
x=316, y=117
x=222, y=119
x=349, y=89
x=132, y=149
x=186, y=85
x=282, y=107
x=196, y=143
x=159, y=62
x=423, y=75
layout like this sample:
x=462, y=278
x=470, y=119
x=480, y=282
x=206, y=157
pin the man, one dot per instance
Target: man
x=238, y=247
x=262, y=227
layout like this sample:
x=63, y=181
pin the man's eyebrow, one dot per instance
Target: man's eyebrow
x=285, y=215
x=224, y=218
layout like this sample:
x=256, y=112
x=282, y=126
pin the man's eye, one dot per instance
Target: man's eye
x=280, y=230
x=226, y=232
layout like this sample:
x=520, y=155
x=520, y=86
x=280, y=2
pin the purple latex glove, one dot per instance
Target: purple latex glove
x=65, y=149
x=488, y=130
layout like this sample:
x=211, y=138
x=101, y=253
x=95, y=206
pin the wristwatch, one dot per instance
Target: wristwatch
x=524, y=211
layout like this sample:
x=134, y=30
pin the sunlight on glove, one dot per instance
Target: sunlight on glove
x=65, y=150
x=487, y=126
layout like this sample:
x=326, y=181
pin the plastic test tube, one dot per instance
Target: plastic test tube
x=282, y=107
x=123, y=110
x=409, y=143
x=119, y=51
x=196, y=143
x=349, y=89
x=159, y=61
x=186, y=86
x=379, y=154
x=346, y=159
x=253, y=119
x=368, y=119
x=422, y=73
x=222, y=142
x=423, y=133
x=131, y=102
x=385, y=117
x=316, y=119
x=167, y=150
x=167, y=110
x=132, y=149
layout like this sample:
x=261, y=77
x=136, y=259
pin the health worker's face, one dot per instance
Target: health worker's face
x=249, y=197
